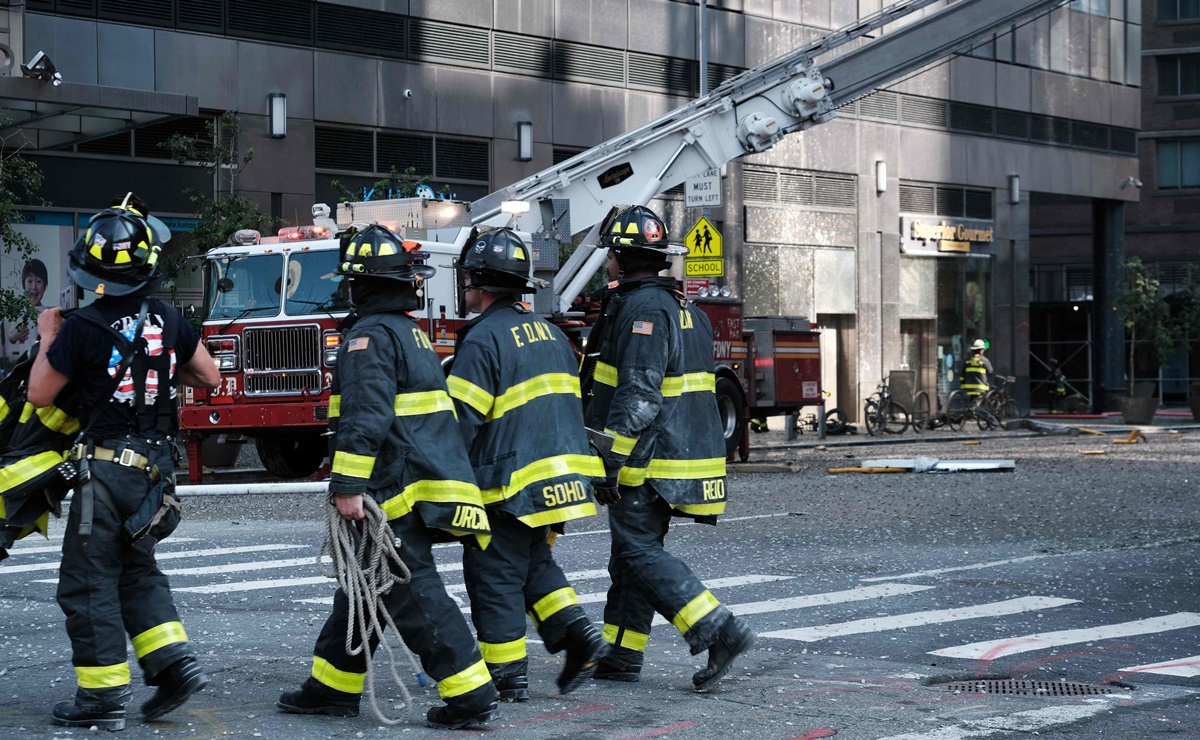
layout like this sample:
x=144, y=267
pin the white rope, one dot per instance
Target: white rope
x=362, y=554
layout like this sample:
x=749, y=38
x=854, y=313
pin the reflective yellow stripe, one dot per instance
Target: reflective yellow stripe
x=629, y=639
x=435, y=491
x=696, y=609
x=335, y=407
x=502, y=652
x=701, y=509
x=554, y=602
x=425, y=402
x=605, y=374
x=167, y=633
x=4, y=409
x=689, y=383
x=25, y=470
x=545, y=469
x=26, y=413
x=542, y=385
x=102, y=677
x=57, y=420
x=464, y=681
x=673, y=469
x=622, y=445
x=339, y=680
x=355, y=466
x=558, y=514
x=470, y=394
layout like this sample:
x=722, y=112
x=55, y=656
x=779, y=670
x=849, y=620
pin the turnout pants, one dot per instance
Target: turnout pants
x=109, y=588
x=648, y=579
x=429, y=623
x=514, y=576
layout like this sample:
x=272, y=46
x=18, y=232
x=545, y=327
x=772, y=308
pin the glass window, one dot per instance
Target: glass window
x=313, y=286
x=1189, y=164
x=1189, y=9
x=1179, y=164
x=1179, y=75
x=1168, y=76
x=244, y=286
x=1168, y=164
x=1177, y=10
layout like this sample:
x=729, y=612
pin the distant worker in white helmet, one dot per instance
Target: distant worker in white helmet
x=976, y=370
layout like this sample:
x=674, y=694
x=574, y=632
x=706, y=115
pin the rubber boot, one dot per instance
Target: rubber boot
x=585, y=649
x=512, y=680
x=733, y=638
x=101, y=708
x=469, y=710
x=621, y=664
x=311, y=699
x=176, y=685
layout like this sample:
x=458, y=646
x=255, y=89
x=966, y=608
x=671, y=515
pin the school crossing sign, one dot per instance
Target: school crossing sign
x=705, y=257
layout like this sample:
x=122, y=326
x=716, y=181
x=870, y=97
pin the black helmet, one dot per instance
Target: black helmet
x=500, y=260
x=637, y=228
x=379, y=252
x=118, y=253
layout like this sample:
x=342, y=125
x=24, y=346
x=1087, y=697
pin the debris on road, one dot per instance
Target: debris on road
x=1134, y=437
x=929, y=465
x=1093, y=452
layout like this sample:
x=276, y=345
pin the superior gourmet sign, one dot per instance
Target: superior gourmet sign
x=931, y=235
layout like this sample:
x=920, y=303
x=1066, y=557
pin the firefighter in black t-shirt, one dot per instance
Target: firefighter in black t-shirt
x=109, y=583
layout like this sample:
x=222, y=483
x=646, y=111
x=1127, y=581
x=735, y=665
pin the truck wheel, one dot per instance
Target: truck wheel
x=291, y=456
x=732, y=410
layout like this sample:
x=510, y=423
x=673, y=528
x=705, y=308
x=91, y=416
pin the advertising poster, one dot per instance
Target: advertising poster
x=42, y=279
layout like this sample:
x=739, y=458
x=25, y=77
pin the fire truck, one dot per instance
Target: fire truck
x=273, y=305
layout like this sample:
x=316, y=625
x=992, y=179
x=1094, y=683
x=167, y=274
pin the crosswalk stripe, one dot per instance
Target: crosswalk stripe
x=958, y=568
x=917, y=619
x=1022, y=723
x=833, y=597
x=460, y=588
x=165, y=556
x=1185, y=667
x=43, y=549
x=283, y=582
x=999, y=648
x=710, y=583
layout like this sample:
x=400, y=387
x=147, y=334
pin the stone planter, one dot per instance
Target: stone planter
x=1138, y=410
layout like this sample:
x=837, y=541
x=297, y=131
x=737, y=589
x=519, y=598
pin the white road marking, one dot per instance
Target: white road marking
x=215, y=551
x=1185, y=667
x=957, y=568
x=833, y=597
x=1009, y=646
x=220, y=588
x=917, y=619
x=43, y=549
x=1026, y=722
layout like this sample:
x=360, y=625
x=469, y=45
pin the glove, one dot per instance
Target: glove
x=605, y=489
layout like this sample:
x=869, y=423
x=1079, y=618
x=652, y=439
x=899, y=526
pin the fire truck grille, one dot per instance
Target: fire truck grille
x=282, y=360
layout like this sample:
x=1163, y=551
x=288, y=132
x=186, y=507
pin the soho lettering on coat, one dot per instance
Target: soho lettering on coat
x=532, y=332
x=685, y=319
x=714, y=490
x=468, y=517
x=564, y=493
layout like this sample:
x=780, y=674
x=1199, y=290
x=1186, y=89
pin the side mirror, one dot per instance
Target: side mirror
x=189, y=311
x=224, y=285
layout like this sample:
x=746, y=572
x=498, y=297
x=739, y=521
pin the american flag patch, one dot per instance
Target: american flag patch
x=643, y=327
x=356, y=344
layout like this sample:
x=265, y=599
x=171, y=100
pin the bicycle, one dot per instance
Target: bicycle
x=960, y=407
x=922, y=415
x=999, y=402
x=882, y=414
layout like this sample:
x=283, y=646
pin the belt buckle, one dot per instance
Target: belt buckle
x=78, y=452
x=126, y=458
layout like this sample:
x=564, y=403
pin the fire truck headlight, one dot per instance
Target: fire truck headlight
x=331, y=340
x=331, y=357
x=227, y=362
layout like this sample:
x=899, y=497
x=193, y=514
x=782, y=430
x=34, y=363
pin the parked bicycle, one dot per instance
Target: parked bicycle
x=999, y=401
x=961, y=408
x=882, y=414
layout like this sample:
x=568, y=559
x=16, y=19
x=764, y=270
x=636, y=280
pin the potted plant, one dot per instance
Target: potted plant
x=1147, y=316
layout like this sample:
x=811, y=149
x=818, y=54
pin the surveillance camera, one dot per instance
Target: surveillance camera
x=408, y=93
x=1131, y=180
x=41, y=68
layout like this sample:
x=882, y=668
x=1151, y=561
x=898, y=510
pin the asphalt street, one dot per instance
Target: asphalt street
x=870, y=595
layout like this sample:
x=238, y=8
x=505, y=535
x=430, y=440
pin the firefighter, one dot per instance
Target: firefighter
x=109, y=583
x=1058, y=386
x=653, y=389
x=394, y=438
x=974, y=377
x=515, y=385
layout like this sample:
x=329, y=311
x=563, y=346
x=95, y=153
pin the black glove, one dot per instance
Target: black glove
x=605, y=489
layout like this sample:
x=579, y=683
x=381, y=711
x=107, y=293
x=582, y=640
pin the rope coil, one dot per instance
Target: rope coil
x=364, y=555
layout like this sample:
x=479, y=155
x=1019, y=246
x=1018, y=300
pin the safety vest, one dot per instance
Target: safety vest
x=974, y=376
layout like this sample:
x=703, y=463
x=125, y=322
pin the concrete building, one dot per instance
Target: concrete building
x=903, y=229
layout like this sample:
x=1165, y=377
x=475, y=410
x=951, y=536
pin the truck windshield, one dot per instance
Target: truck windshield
x=313, y=286
x=244, y=286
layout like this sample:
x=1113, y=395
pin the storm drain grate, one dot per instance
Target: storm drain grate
x=1028, y=688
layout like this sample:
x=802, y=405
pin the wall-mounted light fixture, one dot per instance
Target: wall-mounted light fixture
x=880, y=176
x=524, y=141
x=277, y=113
x=1014, y=189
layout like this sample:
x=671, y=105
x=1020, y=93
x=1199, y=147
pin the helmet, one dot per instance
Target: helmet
x=501, y=261
x=378, y=252
x=637, y=227
x=118, y=253
x=978, y=345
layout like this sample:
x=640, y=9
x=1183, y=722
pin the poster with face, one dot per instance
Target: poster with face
x=41, y=279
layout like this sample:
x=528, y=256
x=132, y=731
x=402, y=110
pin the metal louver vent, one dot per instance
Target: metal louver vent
x=882, y=105
x=147, y=12
x=588, y=63
x=272, y=20
x=1052, y=130
x=403, y=151
x=344, y=149
x=849, y=110
x=719, y=74
x=463, y=44
x=917, y=198
x=979, y=204
x=760, y=185
x=796, y=188
x=1012, y=124
x=523, y=54
x=662, y=74
x=1089, y=135
x=463, y=160
x=147, y=140
x=202, y=15
x=923, y=111
x=46, y=5
x=950, y=202
x=117, y=145
x=345, y=28
x=77, y=7
x=1124, y=140
x=973, y=118
x=562, y=155
x=834, y=192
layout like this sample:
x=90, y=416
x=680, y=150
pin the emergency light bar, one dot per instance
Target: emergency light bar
x=304, y=233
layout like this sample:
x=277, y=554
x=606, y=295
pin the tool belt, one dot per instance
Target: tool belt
x=126, y=457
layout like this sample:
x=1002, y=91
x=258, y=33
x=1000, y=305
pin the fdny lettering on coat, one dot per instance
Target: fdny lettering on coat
x=714, y=490
x=564, y=493
x=421, y=339
x=531, y=332
x=469, y=517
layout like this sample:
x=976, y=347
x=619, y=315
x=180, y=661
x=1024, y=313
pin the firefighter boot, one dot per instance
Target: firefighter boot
x=477, y=707
x=733, y=638
x=585, y=649
x=512, y=680
x=313, y=698
x=101, y=708
x=176, y=684
x=621, y=664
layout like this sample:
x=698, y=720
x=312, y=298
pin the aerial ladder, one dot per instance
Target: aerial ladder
x=747, y=114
